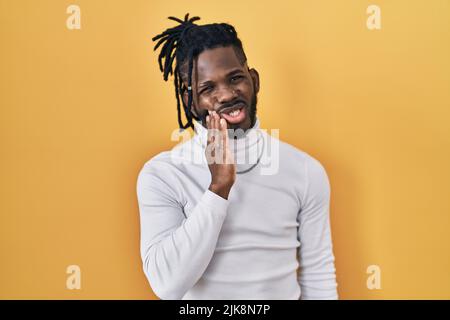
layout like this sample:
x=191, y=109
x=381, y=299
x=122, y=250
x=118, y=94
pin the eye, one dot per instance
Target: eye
x=236, y=78
x=206, y=89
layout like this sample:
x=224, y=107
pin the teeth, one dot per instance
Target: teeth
x=235, y=113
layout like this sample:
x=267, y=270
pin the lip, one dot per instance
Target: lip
x=239, y=105
x=236, y=119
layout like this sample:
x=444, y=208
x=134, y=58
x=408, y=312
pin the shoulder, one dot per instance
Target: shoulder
x=297, y=158
x=313, y=169
x=165, y=166
x=317, y=184
x=168, y=160
x=156, y=182
x=153, y=172
x=156, y=163
x=309, y=173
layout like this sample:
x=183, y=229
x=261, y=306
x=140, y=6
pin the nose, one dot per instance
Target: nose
x=226, y=94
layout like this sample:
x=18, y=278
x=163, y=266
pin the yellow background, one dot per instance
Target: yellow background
x=82, y=110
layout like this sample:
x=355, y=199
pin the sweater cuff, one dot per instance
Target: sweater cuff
x=215, y=202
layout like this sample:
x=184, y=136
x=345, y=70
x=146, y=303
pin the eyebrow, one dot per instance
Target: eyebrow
x=231, y=73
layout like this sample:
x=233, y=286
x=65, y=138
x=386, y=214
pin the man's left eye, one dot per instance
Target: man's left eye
x=236, y=78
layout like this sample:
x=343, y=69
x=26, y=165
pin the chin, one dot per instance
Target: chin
x=244, y=124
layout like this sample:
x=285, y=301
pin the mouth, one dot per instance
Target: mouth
x=234, y=114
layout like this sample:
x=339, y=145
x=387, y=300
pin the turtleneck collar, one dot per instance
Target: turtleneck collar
x=247, y=148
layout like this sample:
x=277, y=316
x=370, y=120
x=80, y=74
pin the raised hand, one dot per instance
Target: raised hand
x=219, y=156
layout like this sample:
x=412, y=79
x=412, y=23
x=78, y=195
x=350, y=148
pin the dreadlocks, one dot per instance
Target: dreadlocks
x=183, y=43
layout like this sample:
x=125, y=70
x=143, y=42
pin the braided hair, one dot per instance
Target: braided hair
x=182, y=44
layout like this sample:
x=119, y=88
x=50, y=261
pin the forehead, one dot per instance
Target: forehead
x=215, y=63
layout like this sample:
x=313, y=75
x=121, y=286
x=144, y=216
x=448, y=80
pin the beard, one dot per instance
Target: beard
x=253, y=110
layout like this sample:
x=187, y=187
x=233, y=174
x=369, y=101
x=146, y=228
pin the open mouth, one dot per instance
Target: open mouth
x=235, y=114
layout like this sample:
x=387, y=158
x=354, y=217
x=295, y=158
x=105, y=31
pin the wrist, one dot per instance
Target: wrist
x=221, y=190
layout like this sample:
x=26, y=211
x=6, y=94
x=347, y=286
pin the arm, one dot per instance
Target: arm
x=317, y=276
x=176, y=250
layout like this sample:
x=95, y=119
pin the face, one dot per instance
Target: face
x=221, y=83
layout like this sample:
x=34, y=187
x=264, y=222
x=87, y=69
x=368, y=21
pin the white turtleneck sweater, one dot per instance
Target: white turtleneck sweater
x=198, y=245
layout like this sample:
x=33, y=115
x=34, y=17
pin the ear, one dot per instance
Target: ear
x=185, y=97
x=255, y=78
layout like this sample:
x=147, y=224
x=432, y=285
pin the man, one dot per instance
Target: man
x=222, y=228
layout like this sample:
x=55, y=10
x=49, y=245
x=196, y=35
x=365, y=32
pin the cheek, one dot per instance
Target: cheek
x=204, y=103
x=246, y=89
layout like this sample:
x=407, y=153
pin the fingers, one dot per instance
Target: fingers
x=224, y=142
x=224, y=132
x=211, y=125
x=218, y=140
x=215, y=120
x=208, y=126
x=215, y=129
x=223, y=124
